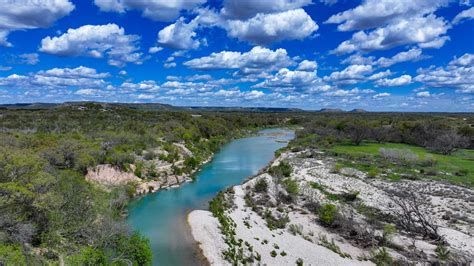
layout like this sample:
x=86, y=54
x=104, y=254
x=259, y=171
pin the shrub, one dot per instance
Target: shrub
x=462, y=172
x=150, y=155
x=191, y=162
x=273, y=253
x=276, y=222
x=350, y=196
x=281, y=170
x=328, y=214
x=332, y=246
x=137, y=249
x=373, y=172
x=442, y=252
x=388, y=231
x=177, y=170
x=317, y=186
x=291, y=186
x=381, y=257
x=337, y=168
x=88, y=256
x=261, y=185
x=299, y=262
x=11, y=255
x=295, y=229
x=399, y=156
x=139, y=169
x=120, y=159
x=428, y=161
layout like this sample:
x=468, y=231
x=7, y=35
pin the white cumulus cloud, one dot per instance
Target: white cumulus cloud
x=350, y=75
x=400, y=81
x=179, y=35
x=458, y=74
x=307, y=65
x=160, y=10
x=23, y=15
x=464, y=15
x=259, y=59
x=381, y=95
x=427, y=32
x=96, y=41
x=267, y=28
x=244, y=9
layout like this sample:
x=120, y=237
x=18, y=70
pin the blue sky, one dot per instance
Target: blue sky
x=379, y=55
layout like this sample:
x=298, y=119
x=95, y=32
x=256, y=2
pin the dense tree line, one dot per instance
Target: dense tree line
x=440, y=133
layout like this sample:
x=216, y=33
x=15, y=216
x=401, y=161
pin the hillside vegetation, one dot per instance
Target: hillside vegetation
x=49, y=213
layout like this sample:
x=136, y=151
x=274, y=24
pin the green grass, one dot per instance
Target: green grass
x=460, y=161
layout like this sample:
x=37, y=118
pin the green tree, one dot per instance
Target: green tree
x=137, y=249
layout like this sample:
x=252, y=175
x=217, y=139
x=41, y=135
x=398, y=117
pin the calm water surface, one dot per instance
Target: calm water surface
x=162, y=216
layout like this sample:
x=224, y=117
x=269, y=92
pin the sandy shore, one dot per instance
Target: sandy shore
x=307, y=245
x=205, y=230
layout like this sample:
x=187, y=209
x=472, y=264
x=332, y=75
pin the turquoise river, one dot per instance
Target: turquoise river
x=161, y=216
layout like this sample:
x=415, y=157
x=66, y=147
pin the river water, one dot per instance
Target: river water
x=161, y=216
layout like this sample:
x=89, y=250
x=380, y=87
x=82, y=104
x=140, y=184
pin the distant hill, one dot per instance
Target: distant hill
x=141, y=106
x=137, y=106
x=29, y=105
x=358, y=111
x=331, y=110
x=244, y=109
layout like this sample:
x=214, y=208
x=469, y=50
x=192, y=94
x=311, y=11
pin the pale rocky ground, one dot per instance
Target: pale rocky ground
x=108, y=176
x=450, y=207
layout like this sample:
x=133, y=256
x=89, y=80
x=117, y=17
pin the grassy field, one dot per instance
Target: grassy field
x=457, y=168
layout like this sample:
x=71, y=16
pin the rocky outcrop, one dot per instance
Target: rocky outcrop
x=110, y=176
x=184, y=152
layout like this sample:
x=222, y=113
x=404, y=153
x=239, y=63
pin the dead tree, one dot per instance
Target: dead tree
x=412, y=216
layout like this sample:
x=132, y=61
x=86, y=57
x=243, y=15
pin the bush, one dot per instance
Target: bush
x=11, y=255
x=139, y=169
x=442, y=252
x=150, y=155
x=120, y=159
x=295, y=229
x=136, y=249
x=281, y=170
x=261, y=185
x=291, y=186
x=399, y=156
x=337, y=168
x=191, y=162
x=88, y=256
x=332, y=246
x=373, y=172
x=299, y=262
x=388, y=231
x=428, y=161
x=381, y=257
x=462, y=172
x=328, y=214
x=276, y=222
x=350, y=196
